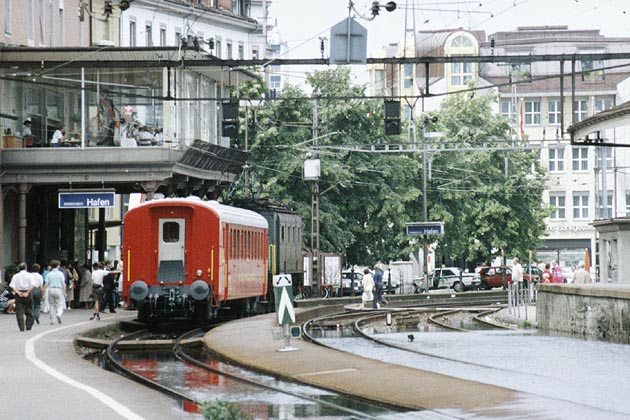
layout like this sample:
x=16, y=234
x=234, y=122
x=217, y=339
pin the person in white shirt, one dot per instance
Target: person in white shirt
x=22, y=286
x=57, y=136
x=56, y=290
x=97, y=289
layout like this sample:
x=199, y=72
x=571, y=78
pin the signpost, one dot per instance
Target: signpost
x=425, y=228
x=86, y=199
x=283, y=293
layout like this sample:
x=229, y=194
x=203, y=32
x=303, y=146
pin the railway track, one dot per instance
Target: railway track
x=181, y=351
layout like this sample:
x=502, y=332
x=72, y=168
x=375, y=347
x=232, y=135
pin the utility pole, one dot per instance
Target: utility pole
x=315, y=260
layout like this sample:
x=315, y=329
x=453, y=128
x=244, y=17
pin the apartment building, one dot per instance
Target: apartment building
x=585, y=183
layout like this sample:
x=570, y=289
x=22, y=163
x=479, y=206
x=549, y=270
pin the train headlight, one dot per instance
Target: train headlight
x=138, y=290
x=199, y=290
x=199, y=273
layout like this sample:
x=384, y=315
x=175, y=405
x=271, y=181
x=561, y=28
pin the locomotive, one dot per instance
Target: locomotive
x=188, y=258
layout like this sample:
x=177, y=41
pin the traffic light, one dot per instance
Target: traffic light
x=229, y=121
x=392, y=118
x=108, y=8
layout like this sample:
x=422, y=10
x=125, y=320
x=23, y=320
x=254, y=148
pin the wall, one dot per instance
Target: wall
x=595, y=310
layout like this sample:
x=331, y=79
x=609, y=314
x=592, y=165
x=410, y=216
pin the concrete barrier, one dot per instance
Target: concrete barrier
x=586, y=310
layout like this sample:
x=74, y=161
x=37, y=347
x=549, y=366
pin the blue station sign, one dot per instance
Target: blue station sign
x=425, y=228
x=86, y=199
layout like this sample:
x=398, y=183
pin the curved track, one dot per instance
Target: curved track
x=179, y=350
x=441, y=317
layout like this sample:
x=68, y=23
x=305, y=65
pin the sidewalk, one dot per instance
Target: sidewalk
x=43, y=376
x=519, y=315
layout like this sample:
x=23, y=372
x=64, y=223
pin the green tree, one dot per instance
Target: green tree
x=489, y=200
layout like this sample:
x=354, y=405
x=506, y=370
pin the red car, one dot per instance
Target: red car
x=502, y=276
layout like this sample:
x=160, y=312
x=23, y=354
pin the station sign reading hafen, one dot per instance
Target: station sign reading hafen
x=425, y=228
x=86, y=199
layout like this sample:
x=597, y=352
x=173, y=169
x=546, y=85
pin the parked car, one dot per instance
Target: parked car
x=346, y=283
x=454, y=278
x=531, y=273
x=494, y=276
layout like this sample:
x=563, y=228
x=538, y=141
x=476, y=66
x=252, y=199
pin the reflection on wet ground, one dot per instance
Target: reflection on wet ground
x=259, y=403
x=560, y=375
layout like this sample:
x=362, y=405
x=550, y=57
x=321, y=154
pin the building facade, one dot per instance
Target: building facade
x=541, y=99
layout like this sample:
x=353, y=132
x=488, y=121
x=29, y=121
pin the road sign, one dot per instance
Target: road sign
x=425, y=228
x=283, y=292
x=348, y=43
x=86, y=199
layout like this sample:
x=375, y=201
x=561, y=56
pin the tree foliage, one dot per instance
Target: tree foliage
x=367, y=198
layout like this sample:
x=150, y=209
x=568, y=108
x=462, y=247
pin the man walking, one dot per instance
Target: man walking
x=56, y=288
x=22, y=286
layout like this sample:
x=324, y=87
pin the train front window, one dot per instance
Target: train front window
x=170, y=232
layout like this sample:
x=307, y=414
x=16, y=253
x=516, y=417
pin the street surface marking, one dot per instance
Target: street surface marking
x=29, y=350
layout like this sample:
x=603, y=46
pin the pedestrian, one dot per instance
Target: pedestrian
x=70, y=285
x=378, y=286
x=368, y=285
x=517, y=272
x=38, y=284
x=27, y=133
x=22, y=286
x=556, y=273
x=546, y=274
x=97, y=289
x=109, y=286
x=581, y=276
x=56, y=290
x=85, y=295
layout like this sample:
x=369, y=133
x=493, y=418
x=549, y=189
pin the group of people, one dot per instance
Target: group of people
x=57, y=288
x=373, y=287
x=553, y=274
x=134, y=134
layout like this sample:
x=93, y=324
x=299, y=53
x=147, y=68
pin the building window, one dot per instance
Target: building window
x=553, y=111
x=556, y=159
x=605, y=153
x=132, y=33
x=580, y=159
x=51, y=23
x=379, y=81
x=255, y=53
x=580, y=205
x=162, y=35
x=7, y=17
x=593, y=70
x=532, y=112
x=461, y=73
x=557, y=201
x=241, y=51
x=228, y=50
x=580, y=110
x=506, y=110
x=408, y=77
x=148, y=35
x=605, y=211
x=236, y=7
x=603, y=103
x=627, y=203
x=218, y=47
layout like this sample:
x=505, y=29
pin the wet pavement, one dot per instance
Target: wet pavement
x=559, y=377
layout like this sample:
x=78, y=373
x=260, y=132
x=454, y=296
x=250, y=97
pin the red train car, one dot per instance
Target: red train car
x=185, y=257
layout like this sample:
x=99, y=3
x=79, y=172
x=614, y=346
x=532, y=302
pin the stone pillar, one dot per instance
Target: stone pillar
x=22, y=193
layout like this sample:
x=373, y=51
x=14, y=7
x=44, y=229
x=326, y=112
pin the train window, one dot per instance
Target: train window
x=170, y=232
x=282, y=234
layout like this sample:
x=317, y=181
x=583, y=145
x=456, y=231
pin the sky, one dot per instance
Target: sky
x=302, y=22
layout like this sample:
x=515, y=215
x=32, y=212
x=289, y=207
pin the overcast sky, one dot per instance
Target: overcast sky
x=302, y=22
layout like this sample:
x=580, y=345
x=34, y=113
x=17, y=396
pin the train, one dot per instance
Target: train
x=190, y=258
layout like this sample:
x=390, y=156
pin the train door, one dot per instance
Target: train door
x=171, y=250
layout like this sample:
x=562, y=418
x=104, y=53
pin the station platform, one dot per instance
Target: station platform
x=42, y=376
